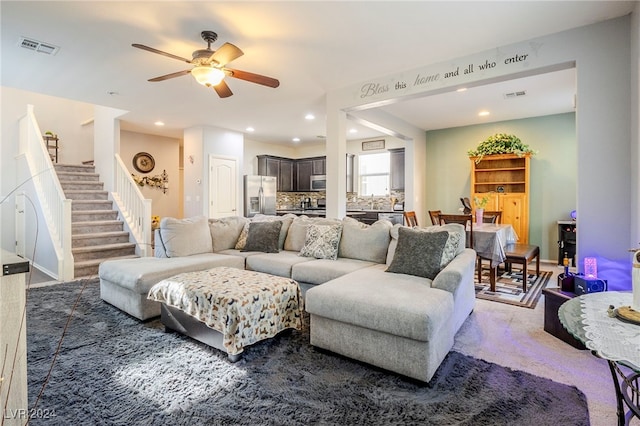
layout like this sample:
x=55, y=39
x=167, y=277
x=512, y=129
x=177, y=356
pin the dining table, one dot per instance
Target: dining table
x=489, y=241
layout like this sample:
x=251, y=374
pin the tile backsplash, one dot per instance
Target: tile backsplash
x=291, y=200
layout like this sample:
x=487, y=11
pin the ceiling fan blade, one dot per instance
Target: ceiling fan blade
x=160, y=52
x=254, y=78
x=222, y=89
x=225, y=54
x=168, y=76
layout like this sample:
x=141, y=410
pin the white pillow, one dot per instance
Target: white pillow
x=184, y=237
x=322, y=241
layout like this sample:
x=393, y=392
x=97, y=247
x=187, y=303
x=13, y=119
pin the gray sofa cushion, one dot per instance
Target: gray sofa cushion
x=225, y=231
x=298, y=231
x=286, y=222
x=365, y=242
x=279, y=264
x=398, y=304
x=183, y=237
x=140, y=274
x=320, y=271
x=263, y=236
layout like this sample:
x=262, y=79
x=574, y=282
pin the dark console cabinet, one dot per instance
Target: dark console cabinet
x=567, y=240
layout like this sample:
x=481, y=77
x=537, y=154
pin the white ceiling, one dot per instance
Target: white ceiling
x=311, y=47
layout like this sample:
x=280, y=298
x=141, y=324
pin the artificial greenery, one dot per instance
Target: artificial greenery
x=481, y=202
x=501, y=143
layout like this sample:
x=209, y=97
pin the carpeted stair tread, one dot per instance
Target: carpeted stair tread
x=96, y=222
x=103, y=247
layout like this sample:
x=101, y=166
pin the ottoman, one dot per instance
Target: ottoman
x=229, y=308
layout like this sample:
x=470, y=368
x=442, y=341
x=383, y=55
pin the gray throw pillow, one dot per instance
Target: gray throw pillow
x=263, y=236
x=419, y=253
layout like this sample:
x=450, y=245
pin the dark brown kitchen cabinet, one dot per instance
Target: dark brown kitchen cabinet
x=281, y=168
x=397, y=169
x=304, y=170
x=318, y=166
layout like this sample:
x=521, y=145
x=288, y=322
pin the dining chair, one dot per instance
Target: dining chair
x=410, y=219
x=433, y=214
x=492, y=216
x=462, y=219
x=466, y=205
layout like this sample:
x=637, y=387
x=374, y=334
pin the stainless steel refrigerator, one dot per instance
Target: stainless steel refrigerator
x=259, y=195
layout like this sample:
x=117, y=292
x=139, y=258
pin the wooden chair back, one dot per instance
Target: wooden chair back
x=410, y=219
x=433, y=214
x=465, y=220
x=492, y=216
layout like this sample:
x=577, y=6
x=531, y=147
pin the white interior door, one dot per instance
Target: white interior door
x=222, y=187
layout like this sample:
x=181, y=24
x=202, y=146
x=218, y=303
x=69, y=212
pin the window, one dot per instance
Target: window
x=374, y=171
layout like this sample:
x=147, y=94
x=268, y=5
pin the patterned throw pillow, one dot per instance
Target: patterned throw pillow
x=322, y=241
x=263, y=236
x=420, y=253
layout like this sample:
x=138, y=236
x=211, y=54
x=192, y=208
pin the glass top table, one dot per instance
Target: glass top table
x=587, y=318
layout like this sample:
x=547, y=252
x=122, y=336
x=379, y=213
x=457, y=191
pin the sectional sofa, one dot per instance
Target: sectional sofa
x=391, y=296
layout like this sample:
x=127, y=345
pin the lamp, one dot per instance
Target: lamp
x=207, y=75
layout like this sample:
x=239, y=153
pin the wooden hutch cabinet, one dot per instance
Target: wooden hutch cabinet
x=505, y=177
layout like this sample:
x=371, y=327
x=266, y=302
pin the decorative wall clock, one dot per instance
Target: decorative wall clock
x=143, y=162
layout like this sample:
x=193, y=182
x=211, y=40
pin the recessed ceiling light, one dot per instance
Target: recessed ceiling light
x=353, y=130
x=250, y=129
x=483, y=113
x=309, y=117
x=296, y=139
x=462, y=89
x=159, y=123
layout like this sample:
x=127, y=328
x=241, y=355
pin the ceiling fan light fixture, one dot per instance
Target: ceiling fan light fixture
x=207, y=76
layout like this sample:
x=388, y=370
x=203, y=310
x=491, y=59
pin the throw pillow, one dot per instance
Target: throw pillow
x=286, y=222
x=419, y=253
x=365, y=242
x=184, y=237
x=322, y=241
x=263, y=236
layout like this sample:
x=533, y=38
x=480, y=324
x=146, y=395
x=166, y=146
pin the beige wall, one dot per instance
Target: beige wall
x=166, y=153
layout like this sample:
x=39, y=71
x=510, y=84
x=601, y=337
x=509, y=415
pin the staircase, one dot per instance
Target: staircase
x=97, y=234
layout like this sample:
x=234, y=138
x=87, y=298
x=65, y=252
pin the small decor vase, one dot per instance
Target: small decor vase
x=479, y=213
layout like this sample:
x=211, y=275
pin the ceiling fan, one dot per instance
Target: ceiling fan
x=209, y=66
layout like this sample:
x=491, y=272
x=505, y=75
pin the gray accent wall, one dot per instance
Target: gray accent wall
x=554, y=173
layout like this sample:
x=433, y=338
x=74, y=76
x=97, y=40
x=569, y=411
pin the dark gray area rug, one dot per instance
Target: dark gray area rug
x=115, y=370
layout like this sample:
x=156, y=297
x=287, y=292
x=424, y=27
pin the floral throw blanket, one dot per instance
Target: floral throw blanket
x=245, y=306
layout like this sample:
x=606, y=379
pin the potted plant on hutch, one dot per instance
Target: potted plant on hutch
x=500, y=179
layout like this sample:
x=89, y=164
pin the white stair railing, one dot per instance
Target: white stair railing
x=55, y=205
x=134, y=208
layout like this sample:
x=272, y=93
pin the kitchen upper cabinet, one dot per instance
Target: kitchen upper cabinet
x=397, y=169
x=281, y=168
x=304, y=170
x=318, y=166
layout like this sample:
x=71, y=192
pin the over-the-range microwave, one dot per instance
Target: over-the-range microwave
x=319, y=183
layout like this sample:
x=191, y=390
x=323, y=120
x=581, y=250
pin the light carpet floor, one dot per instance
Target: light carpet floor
x=514, y=337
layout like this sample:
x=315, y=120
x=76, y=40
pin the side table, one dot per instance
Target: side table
x=553, y=299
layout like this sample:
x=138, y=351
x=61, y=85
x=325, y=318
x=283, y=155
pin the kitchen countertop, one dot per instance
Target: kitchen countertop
x=350, y=212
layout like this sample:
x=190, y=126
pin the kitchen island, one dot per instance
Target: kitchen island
x=366, y=216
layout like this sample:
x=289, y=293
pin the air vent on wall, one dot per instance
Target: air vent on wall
x=38, y=46
x=514, y=94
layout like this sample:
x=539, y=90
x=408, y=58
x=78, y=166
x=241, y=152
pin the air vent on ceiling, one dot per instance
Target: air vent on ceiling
x=515, y=94
x=38, y=46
